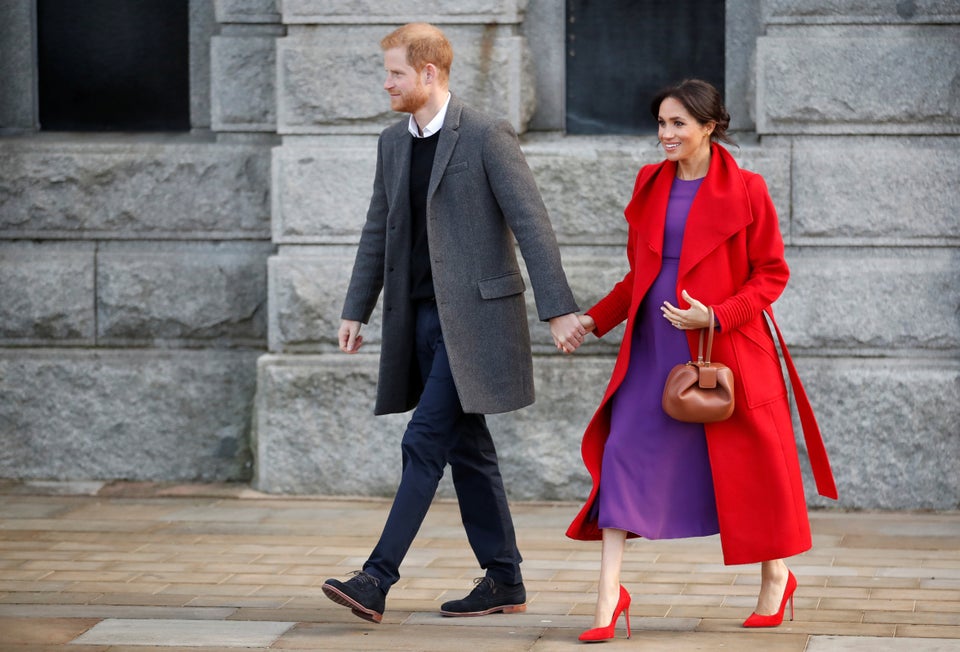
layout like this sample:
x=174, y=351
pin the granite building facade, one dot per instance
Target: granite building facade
x=169, y=300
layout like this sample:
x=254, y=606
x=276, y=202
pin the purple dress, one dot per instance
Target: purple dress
x=655, y=478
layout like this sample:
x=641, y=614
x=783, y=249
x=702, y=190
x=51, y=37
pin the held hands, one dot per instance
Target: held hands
x=349, y=336
x=568, y=332
x=695, y=318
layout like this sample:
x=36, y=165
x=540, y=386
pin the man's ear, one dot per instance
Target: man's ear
x=429, y=72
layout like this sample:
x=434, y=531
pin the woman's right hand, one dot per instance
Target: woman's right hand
x=587, y=322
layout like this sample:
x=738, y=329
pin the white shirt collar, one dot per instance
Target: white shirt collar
x=434, y=125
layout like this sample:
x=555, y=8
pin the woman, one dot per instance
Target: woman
x=702, y=233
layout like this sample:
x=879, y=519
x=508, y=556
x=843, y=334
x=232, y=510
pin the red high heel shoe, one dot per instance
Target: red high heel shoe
x=605, y=633
x=774, y=620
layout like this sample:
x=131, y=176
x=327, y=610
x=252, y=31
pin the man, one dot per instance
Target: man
x=451, y=184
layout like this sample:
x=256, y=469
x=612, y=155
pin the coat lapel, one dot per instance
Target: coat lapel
x=720, y=209
x=398, y=151
x=449, y=135
x=647, y=210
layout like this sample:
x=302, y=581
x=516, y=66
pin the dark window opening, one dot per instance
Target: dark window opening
x=619, y=53
x=113, y=65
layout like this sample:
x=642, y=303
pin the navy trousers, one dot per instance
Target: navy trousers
x=440, y=433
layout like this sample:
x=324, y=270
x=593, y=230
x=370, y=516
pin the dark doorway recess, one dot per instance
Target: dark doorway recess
x=619, y=53
x=113, y=65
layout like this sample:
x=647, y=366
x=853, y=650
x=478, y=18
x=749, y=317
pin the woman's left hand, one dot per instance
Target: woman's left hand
x=694, y=318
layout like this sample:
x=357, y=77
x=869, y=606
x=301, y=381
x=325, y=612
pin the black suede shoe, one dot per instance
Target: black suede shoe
x=486, y=598
x=361, y=593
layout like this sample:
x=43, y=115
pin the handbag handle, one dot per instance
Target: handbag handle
x=700, y=360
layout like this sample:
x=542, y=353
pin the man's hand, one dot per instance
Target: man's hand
x=349, y=336
x=567, y=332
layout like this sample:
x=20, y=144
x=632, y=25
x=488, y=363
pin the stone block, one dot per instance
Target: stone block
x=586, y=183
x=47, y=293
x=315, y=97
x=247, y=11
x=875, y=190
x=243, y=93
x=306, y=293
x=864, y=300
x=315, y=422
x=847, y=12
x=203, y=25
x=744, y=23
x=139, y=415
x=207, y=293
x=816, y=84
x=321, y=191
x=402, y=11
x=99, y=188
x=18, y=66
x=891, y=428
x=544, y=27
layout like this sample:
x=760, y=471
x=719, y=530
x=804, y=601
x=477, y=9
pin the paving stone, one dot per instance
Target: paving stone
x=185, y=633
x=864, y=644
x=42, y=631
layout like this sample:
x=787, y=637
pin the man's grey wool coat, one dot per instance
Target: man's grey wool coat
x=480, y=191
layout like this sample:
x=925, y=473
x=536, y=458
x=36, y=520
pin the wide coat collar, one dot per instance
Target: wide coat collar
x=720, y=209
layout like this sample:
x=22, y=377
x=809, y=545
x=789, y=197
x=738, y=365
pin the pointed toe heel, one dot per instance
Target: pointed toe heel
x=608, y=632
x=774, y=620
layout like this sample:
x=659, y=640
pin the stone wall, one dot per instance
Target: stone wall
x=133, y=279
x=169, y=303
x=861, y=174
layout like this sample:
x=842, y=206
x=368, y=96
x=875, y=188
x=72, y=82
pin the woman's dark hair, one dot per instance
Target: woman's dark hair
x=702, y=101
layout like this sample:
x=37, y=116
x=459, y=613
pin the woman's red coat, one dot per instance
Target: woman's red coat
x=732, y=258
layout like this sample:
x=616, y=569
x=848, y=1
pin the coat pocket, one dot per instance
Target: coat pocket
x=761, y=377
x=505, y=285
x=456, y=168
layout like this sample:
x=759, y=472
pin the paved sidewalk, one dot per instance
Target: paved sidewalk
x=214, y=567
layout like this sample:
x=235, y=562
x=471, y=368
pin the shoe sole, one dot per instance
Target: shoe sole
x=358, y=609
x=507, y=609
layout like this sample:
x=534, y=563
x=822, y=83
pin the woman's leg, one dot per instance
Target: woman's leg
x=773, y=582
x=608, y=591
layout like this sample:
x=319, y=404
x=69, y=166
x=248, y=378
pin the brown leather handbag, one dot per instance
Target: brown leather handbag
x=701, y=391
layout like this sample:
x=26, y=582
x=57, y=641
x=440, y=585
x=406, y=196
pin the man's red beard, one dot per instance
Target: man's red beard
x=411, y=103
